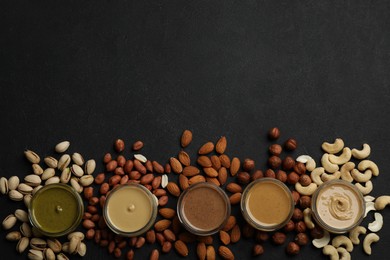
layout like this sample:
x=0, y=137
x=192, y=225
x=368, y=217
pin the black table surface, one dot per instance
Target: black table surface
x=93, y=71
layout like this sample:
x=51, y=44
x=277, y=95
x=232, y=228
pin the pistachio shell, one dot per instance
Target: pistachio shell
x=54, y=245
x=51, y=161
x=25, y=229
x=13, y=182
x=62, y=146
x=38, y=243
x=73, y=245
x=32, y=156
x=65, y=175
x=37, y=169
x=90, y=166
x=27, y=199
x=9, y=221
x=21, y=215
x=75, y=184
x=49, y=254
x=64, y=162
x=86, y=180
x=15, y=195
x=34, y=254
x=78, y=234
x=77, y=170
x=62, y=256
x=82, y=249
x=48, y=173
x=13, y=236
x=3, y=185
x=52, y=180
x=22, y=244
x=32, y=180
x=37, y=188
x=25, y=189
x=65, y=247
x=78, y=159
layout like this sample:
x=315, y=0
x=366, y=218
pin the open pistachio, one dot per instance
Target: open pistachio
x=37, y=169
x=9, y=221
x=82, y=249
x=77, y=170
x=25, y=189
x=27, y=199
x=65, y=175
x=32, y=156
x=32, y=180
x=48, y=254
x=48, y=173
x=86, y=180
x=90, y=166
x=3, y=185
x=62, y=146
x=65, y=247
x=64, y=162
x=54, y=245
x=13, y=182
x=62, y=256
x=38, y=243
x=54, y=179
x=78, y=234
x=78, y=159
x=73, y=245
x=51, y=161
x=15, y=195
x=21, y=215
x=22, y=244
x=34, y=254
x=75, y=184
x=25, y=229
x=13, y=236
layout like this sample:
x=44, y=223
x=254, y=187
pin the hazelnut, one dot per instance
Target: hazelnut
x=279, y=238
x=257, y=250
x=275, y=149
x=257, y=175
x=297, y=215
x=305, y=180
x=243, y=177
x=274, y=133
x=292, y=248
x=317, y=232
x=262, y=236
x=119, y=145
x=288, y=163
x=295, y=196
x=274, y=161
x=301, y=239
x=305, y=202
x=290, y=144
x=290, y=226
x=292, y=178
x=299, y=168
x=300, y=227
x=248, y=165
x=270, y=173
x=281, y=176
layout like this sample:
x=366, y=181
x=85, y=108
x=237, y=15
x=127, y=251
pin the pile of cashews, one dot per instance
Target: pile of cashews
x=336, y=164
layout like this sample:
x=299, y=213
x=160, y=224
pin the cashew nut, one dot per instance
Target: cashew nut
x=364, y=189
x=329, y=167
x=361, y=154
x=328, y=177
x=306, y=190
x=303, y=158
x=361, y=177
x=331, y=251
x=354, y=234
x=346, y=171
x=367, y=164
x=369, y=206
x=381, y=202
x=342, y=241
x=316, y=175
x=368, y=198
x=307, y=218
x=333, y=148
x=343, y=253
x=323, y=241
x=377, y=224
x=342, y=158
x=310, y=165
x=368, y=240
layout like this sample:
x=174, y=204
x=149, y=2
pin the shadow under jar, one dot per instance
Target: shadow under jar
x=203, y=208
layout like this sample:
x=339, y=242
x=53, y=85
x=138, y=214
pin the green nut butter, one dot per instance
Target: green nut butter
x=56, y=209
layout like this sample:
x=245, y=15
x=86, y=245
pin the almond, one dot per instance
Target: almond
x=234, y=166
x=222, y=175
x=225, y=160
x=206, y=148
x=235, y=234
x=186, y=138
x=216, y=163
x=233, y=187
x=196, y=179
x=154, y=255
x=204, y=161
x=224, y=237
x=169, y=235
x=211, y=172
x=181, y=248
x=184, y=158
x=175, y=165
x=161, y=225
x=150, y=236
x=225, y=253
x=201, y=251
x=210, y=253
x=220, y=147
x=213, y=180
x=190, y=171
x=230, y=223
x=167, y=213
x=183, y=182
x=208, y=240
x=235, y=198
x=173, y=189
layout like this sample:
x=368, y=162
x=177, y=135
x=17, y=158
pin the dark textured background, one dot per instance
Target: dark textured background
x=93, y=71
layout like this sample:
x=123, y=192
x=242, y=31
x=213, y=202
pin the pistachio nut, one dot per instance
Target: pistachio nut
x=77, y=170
x=25, y=189
x=73, y=245
x=62, y=256
x=32, y=180
x=64, y=162
x=38, y=243
x=86, y=180
x=54, y=245
x=74, y=182
x=65, y=247
x=13, y=182
x=90, y=166
x=37, y=169
x=32, y=156
x=82, y=249
x=54, y=179
x=22, y=244
x=15, y=195
x=9, y=221
x=62, y=146
x=27, y=199
x=48, y=173
x=48, y=254
x=78, y=234
x=25, y=229
x=21, y=215
x=65, y=175
x=13, y=236
x=34, y=254
x=51, y=161
x=37, y=188
x=78, y=159
x=3, y=185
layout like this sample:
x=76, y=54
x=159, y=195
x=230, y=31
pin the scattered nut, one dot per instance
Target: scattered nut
x=342, y=158
x=334, y=147
x=321, y=242
x=331, y=251
x=367, y=164
x=365, y=189
x=361, y=154
x=307, y=218
x=368, y=240
x=343, y=253
x=343, y=241
x=308, y=190
x=354, y=234
x=329, y=166
x=381, y=202
x=377, y=224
